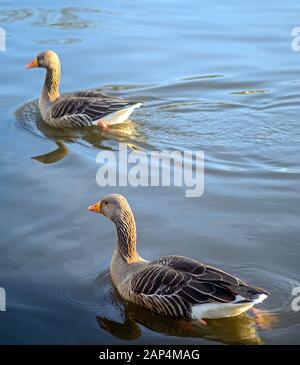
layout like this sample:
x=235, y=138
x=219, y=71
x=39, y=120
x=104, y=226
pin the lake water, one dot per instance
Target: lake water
x=218, y=77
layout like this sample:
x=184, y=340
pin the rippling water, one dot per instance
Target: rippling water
x=220, y=78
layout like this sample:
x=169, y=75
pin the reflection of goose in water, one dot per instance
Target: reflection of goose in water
x=54, y=155
x=81, y=108
x=235, y=330
x=29, y=119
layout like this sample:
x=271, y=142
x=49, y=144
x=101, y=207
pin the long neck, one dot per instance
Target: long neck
x=51, y=85
x=126, y=230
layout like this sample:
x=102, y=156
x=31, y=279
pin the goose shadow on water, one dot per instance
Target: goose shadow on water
x=30, y=120
x=235, y=330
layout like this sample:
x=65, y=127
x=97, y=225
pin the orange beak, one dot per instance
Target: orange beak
x=95, y=207
x=32, y=64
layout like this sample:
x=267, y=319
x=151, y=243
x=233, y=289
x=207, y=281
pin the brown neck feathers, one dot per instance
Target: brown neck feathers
x=126, y=230
x=51, y=86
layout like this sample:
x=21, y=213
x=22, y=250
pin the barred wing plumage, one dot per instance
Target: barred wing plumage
x=83, y=107
x=173, y=284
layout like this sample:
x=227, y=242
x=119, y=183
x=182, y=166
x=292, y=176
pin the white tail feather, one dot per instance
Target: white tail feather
x=222, y=310
x=119, y=116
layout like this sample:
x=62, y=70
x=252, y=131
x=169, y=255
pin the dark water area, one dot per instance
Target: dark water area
x=215, y=77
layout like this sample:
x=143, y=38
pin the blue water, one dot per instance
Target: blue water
x=219, y=77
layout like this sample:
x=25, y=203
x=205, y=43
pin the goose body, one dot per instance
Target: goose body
x=78, y=109
x=175, y=286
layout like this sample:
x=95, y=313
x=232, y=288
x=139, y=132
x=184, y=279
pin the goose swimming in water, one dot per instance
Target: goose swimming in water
x=176, y=286
x=81, y=108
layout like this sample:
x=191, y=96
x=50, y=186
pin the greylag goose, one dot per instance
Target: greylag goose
x=176, y=286
x=79, y=109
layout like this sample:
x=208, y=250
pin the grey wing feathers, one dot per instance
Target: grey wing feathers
x=196, y=268
x=179, y=283
x=156, y=288
x=84, y=107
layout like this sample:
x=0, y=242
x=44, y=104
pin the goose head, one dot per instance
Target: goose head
x=111, y=206
x=47, y=59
